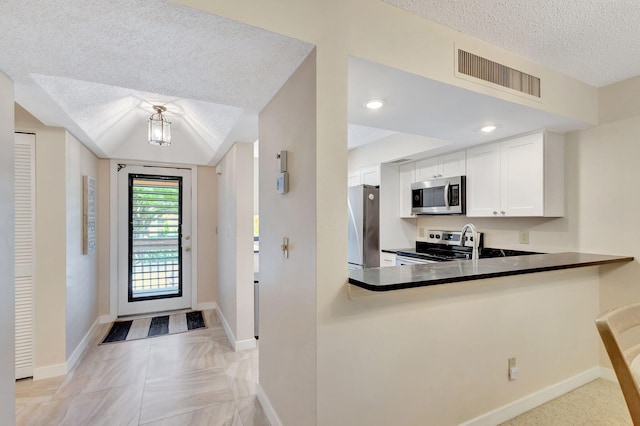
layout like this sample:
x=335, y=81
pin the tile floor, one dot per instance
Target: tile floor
x=192, y=378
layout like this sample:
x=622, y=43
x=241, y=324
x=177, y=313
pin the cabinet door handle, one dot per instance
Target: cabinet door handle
x=502, y=212
x=495, y=212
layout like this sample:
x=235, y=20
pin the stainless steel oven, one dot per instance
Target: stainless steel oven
x=439, y=196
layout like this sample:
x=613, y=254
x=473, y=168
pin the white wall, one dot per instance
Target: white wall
x=288, y=285
x=82, y=270
x=391, y=148
x=207, y=237
x=7, y=267
x=103, y=238
x=235, y=242
x=256, y=204
x=395, y=232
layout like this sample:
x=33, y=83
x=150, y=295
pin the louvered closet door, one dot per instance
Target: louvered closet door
x=24, y=251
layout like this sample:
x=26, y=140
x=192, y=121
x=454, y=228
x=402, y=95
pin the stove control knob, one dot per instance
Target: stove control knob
x=431, y=236
x=437, y=236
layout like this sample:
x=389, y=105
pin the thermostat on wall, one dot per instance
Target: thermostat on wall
x=282, y=183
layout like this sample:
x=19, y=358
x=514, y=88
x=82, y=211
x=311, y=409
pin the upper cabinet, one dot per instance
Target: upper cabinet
x=407, y=176
x=444, y=166
x=523, y=176
x=365, y=176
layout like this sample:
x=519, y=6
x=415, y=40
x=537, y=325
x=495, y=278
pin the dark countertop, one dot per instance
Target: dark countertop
x=410, y=276
x=394, y=251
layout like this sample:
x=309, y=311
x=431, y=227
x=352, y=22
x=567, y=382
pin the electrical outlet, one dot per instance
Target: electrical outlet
x=514, y=371
x=421, y=233
x=524, y=237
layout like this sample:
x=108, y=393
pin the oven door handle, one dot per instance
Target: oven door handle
x=446, y=195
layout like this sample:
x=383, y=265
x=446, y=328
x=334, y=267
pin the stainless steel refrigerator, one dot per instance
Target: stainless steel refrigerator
x=364, y=227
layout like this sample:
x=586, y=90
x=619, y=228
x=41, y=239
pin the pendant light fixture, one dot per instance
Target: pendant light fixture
x=159, y=128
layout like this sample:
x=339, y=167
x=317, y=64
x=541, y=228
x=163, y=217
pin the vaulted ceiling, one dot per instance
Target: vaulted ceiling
x=97, y=68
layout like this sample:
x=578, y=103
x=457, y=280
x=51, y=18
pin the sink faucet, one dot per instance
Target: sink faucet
x=474, y=239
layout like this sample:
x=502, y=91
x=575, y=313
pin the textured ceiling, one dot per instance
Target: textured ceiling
x=89, y=66
x=594, y=41
x=96, y=68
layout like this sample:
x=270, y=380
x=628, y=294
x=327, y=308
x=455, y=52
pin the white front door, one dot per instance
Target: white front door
x=154, y=239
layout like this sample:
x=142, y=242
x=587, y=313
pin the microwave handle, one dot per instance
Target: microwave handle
x=446, y=195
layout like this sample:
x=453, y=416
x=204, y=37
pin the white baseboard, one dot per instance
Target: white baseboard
x=238, y=345
x=82, y=346
x=525, y=404
x=206, y=306
x=267, y=407
x=246, y=345
x=48, y=371
x=608, y=374
x=106, y=319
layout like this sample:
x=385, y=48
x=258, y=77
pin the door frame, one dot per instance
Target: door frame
x=114, y=230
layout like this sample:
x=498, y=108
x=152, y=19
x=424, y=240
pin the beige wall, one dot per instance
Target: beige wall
x=82, y=269
x=66, y=280
x=50, y=339
x=207, y=237
x=235, y=242
x=288, y=285
x=50, y=296
x=7, y=267
x=439, y=355
x=374, y=31
x=382, y=33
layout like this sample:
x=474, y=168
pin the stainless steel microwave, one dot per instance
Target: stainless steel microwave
x=439, y=196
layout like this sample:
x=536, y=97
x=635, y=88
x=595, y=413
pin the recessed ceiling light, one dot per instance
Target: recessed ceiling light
x=488, y=129
x=375, y=103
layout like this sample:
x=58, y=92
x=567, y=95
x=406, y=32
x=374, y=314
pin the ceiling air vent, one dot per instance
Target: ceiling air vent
x=402, y=160
x=496, y=73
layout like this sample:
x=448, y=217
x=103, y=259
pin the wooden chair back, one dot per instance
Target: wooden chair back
x=611, y=326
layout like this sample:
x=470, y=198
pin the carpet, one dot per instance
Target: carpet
x=141, y=328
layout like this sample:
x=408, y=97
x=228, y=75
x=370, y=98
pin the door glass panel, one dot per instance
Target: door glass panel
x=155, y=252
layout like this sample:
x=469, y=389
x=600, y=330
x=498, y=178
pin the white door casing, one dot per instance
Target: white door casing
x=124, y=306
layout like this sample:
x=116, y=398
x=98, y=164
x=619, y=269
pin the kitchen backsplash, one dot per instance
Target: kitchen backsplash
x=544, y=234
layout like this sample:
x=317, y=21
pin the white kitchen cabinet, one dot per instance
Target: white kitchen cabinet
x=407, y=176
x=370, y=175
x=483, y=180
x=365, y=176
x=520, y=177
x=354, y=178
x=453, y=164
x=387, y=259
x=444, y=166
x=427, y=169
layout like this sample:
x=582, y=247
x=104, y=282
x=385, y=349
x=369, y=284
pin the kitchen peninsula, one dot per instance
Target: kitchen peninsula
x=411, y=276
